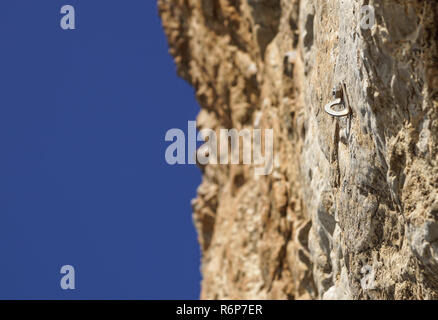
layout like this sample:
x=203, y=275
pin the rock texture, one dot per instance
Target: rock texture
x=351, y=208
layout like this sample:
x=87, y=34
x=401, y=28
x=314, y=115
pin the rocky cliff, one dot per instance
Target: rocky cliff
x=350, y=210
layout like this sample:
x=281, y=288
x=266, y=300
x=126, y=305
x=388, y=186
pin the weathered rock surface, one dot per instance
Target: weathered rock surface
x=351, y=208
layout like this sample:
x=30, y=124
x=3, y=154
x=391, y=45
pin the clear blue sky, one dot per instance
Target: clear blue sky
x=83, y=179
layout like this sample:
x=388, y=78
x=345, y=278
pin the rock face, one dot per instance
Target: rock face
x=350, y=210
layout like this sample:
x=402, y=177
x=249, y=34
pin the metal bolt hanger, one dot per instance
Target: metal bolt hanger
x=339, y=94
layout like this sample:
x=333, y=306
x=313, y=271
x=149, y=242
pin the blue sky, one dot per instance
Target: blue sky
x=83, y=179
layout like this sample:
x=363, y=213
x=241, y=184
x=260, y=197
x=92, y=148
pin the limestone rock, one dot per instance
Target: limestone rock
x=351, y=208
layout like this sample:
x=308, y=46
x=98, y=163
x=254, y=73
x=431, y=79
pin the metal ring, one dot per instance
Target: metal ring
x=329, y=109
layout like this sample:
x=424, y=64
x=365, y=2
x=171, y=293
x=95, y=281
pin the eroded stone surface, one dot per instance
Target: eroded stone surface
x=351, y=208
